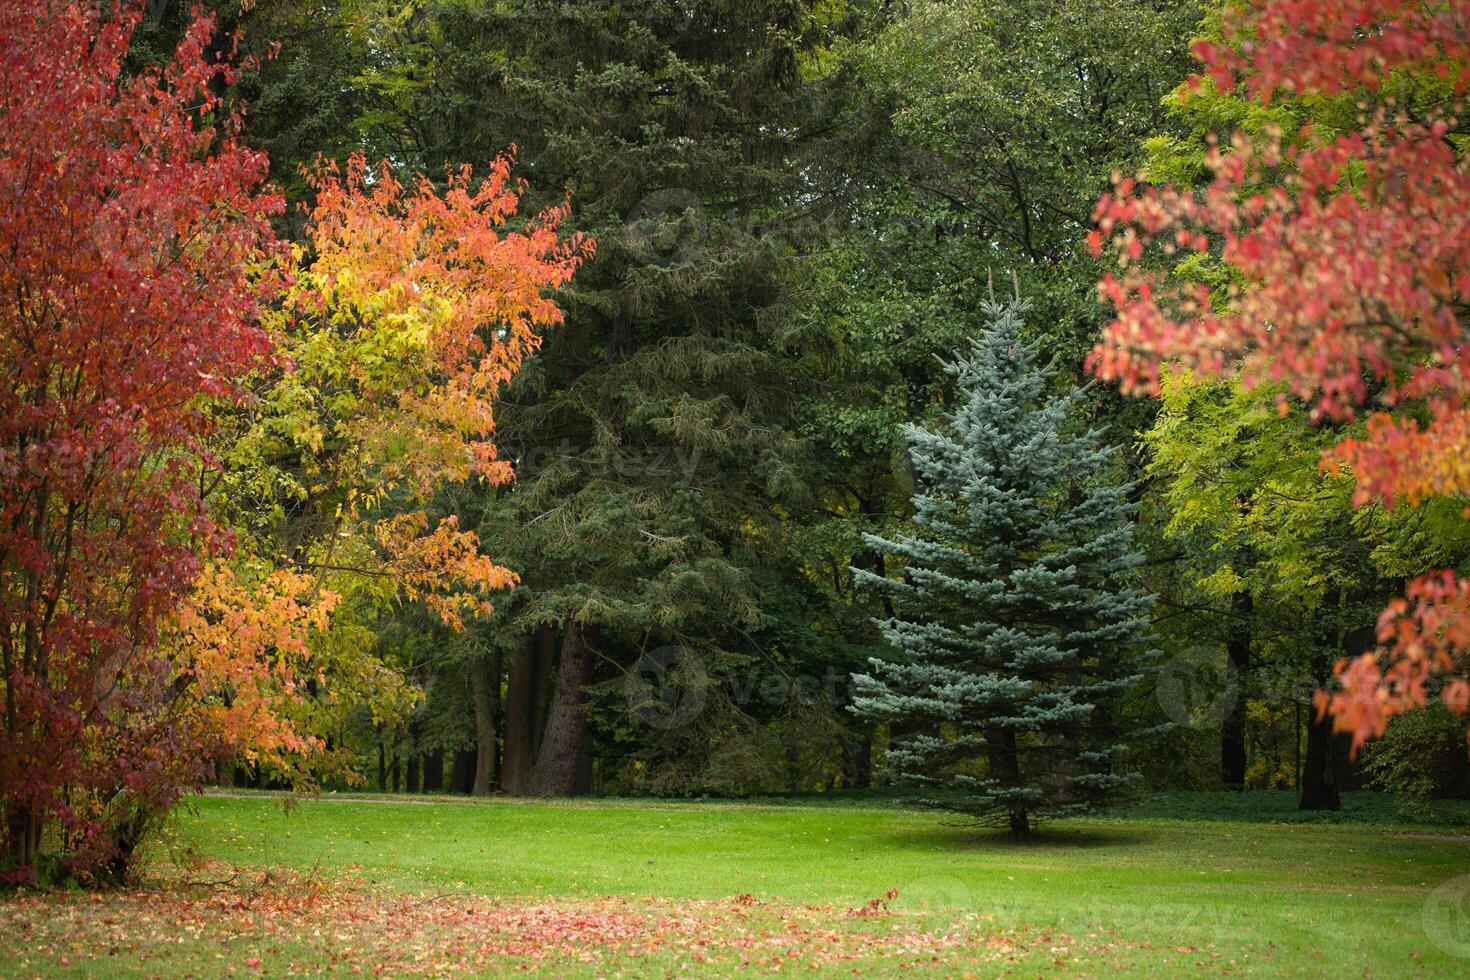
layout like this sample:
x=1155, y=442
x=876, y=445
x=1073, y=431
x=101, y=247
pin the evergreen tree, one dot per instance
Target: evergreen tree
x=651, y=437
x=972, y=134
x=1016, y=626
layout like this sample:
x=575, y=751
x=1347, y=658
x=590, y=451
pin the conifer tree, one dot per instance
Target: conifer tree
x=1016, y=627
x=652, y=437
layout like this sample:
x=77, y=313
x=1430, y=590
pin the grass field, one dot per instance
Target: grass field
x=1175, y=886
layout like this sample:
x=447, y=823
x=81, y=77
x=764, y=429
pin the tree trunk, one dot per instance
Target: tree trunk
x=412, y=757
x=1296, y=751
x=1324, y=771
x=582, y=785
x=555, y=772
x=485, y=686
x=871, y=559
x=543, y=654
x=620, y=341
x=434, y=771
x=23, y=833
x=1005, y=765
x=1349, y=773
x=462, y=780
x=515, y=770
x=1232, y=727
x=857, y=761
x=396, y=772
x=1319, y=782
x=128, y=835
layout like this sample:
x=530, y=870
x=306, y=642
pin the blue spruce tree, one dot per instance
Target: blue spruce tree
x=1016, y=627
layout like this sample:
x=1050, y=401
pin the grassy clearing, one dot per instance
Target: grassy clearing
x=704, y=888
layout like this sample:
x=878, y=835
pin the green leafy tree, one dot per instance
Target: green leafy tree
x=1269, y=561
x=1264, y=563
x=1018, y=626
x=997, y=125
x=959, y=137
x=1258, y=549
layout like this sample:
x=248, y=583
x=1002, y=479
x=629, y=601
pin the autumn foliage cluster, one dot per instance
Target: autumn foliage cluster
x=224, y=454
x=1350, y=254
x=158, y=338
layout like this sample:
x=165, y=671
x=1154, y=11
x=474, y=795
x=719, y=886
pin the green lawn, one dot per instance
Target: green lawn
x=1139, y=892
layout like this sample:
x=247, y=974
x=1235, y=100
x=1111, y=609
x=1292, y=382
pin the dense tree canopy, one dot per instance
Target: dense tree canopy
x=1350, y=286
x=550, y=398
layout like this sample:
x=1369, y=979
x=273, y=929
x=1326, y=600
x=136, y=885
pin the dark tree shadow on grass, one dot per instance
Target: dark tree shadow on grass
x=968, y=836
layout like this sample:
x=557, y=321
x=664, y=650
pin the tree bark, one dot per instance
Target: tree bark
x=1324, y=773
x=462, y=780
x=23, y=833
x=434, y=771
x=485, y=687
x=870, y=559
x=582, y=784
x=555, y=772
x=1005, y=765
x=1319, y=783
x=515, y=771
x=413, y=778
x=128, y=833
x=543, y=654
x=857, y=761
x=1232, y=727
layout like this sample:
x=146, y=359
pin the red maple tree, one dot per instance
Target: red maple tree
x=144, y=291
x=1353, y=259
x=130, y=222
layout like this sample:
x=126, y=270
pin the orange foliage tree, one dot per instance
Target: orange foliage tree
x=409, y=310
x=1352, y=255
